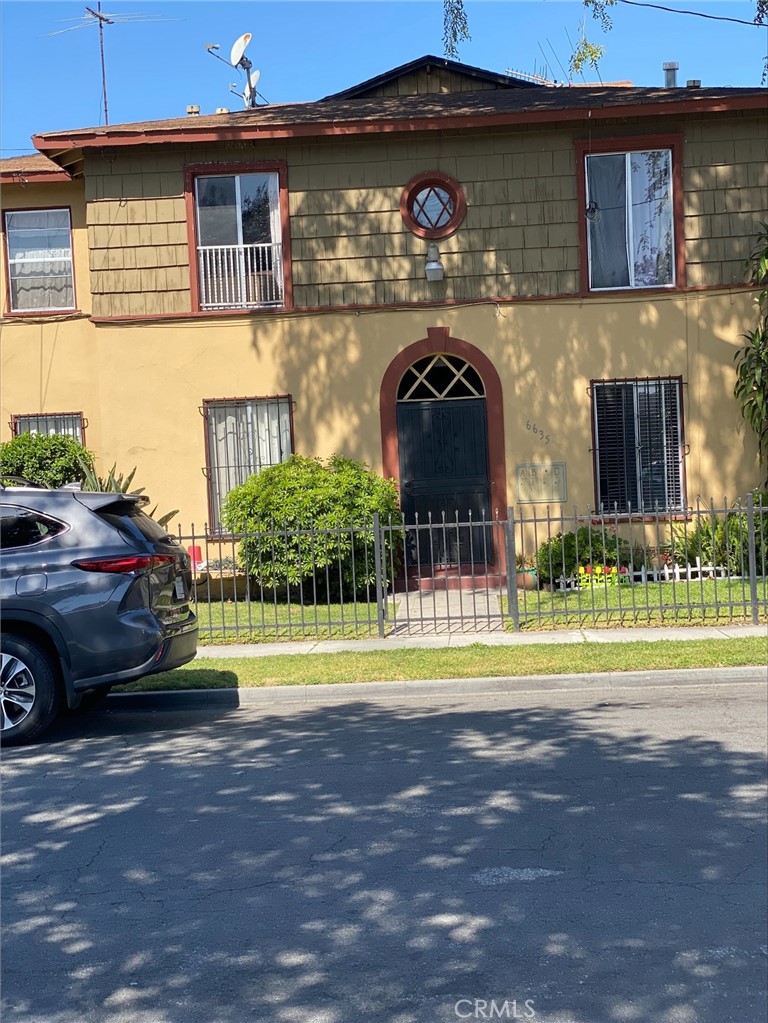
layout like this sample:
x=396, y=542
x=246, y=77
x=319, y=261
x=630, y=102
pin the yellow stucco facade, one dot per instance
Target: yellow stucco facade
x=138, y=363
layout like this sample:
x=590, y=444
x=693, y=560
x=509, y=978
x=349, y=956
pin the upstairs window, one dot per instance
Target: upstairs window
x=630, y=221
x=243, y=436
x=39, y=253
x=239, y=241
x=638, y=444
x=62, y=424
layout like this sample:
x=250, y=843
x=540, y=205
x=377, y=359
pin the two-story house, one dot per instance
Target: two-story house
x=493, y=291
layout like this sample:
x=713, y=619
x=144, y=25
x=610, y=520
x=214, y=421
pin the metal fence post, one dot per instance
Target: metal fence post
x=752, y=549
x=381, y=596
x=511, y=557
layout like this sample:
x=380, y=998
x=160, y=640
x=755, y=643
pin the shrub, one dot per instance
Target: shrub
x=724, y=541
x=50, y=461
x=561, y=555
x=327, y=498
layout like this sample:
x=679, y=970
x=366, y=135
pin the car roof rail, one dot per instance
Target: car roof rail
x=22, y=481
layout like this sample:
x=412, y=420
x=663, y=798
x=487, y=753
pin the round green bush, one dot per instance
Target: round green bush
x=562, y=554
x=49, y=460
x=309, y=524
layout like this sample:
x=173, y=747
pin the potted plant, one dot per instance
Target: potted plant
x=527, y=577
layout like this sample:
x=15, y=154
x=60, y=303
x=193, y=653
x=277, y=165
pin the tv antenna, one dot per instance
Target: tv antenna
x=237, y=58
x=98, y=17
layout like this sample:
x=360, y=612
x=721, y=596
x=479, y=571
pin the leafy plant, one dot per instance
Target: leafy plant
x=50, y=460
x=562, y=554
x=118, y=483
x=723, y=541
x=751, y=388
x=310, y=524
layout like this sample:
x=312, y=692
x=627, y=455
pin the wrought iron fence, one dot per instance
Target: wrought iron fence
x=535, y=569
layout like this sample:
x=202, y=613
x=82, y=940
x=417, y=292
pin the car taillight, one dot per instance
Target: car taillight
x=136, y=563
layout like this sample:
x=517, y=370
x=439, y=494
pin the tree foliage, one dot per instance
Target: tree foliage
x=49, y=460
x=309, y=524
x=751, y=388
x=586, y=53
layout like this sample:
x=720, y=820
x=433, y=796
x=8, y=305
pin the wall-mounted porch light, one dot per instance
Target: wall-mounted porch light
x=434, y=266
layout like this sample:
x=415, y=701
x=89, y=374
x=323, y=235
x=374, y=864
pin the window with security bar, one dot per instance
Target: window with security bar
x=61, y=424
x=39, y=254
x=639, y=444
x=243, y=436
x=239, y=241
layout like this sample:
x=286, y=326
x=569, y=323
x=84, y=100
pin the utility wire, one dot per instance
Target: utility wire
x=695, y=14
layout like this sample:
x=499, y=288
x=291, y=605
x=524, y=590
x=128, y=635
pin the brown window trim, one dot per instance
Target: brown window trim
x=411, y=190
x=14, y=424
x=16, y=314
x=193, y=171
x=631, y=144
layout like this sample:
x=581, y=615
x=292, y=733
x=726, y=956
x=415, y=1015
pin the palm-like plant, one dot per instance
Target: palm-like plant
x=751, y=388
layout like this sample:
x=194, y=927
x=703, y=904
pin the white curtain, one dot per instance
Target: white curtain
x=243, y=438
x=631, y=241
x=39, y=259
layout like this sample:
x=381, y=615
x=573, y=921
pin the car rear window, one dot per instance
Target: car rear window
x=22, y=527
x=134, y=524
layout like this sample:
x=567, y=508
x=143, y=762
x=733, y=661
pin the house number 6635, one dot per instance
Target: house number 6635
x=538, y=432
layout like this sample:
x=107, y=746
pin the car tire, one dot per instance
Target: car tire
x=29, y=690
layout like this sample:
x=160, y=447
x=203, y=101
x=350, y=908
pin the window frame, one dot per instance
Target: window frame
x=215, y=528
x=46, y=311
x=622, y=145
x=439, y=180
x=641, y=512
x=18, y=416
x=194, y=171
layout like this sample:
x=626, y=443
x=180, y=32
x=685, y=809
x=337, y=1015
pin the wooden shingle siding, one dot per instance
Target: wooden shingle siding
x=726, y=195
x=436, y=80
x=349, y=243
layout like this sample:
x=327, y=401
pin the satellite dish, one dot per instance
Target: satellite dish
x=250, y=86
x=238, y=49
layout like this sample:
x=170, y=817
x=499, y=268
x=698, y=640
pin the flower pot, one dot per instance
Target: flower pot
x=527, y=580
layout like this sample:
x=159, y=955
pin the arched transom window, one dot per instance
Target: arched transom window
x=439, y=377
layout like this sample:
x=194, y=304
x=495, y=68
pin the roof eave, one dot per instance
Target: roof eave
x=101, y=138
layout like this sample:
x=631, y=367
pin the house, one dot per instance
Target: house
x=494, y=291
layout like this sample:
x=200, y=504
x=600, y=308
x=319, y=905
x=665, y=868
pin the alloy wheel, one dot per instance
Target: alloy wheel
x=17, y=691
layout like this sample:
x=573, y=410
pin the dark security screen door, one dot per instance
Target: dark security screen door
x=444, y=471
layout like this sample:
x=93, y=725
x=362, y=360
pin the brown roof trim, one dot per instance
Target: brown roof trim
x=99, y=138
x=424, y=63
x=19, y=170
x=30, y=177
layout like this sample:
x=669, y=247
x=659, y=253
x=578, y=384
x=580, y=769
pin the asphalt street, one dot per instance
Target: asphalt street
x=584, y=854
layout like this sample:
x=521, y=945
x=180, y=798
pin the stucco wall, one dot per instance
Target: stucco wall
x=141, y=386
x=349, y=244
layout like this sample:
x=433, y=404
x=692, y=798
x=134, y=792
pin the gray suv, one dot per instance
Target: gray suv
x=93, y=593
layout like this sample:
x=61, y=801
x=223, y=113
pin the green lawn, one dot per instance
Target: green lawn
x=476, y=661
x=253, y=621
x=703, y=602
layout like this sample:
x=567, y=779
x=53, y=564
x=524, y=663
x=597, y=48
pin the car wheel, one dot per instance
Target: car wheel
x=29, y=691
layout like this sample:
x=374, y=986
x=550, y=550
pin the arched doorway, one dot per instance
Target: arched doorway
x=443, y=440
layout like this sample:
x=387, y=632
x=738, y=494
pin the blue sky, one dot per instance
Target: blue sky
x=306, y=50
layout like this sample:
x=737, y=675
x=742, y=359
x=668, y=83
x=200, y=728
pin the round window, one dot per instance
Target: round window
x=432, y=205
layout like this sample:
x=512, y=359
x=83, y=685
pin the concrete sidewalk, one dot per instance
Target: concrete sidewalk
x=623, y=635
